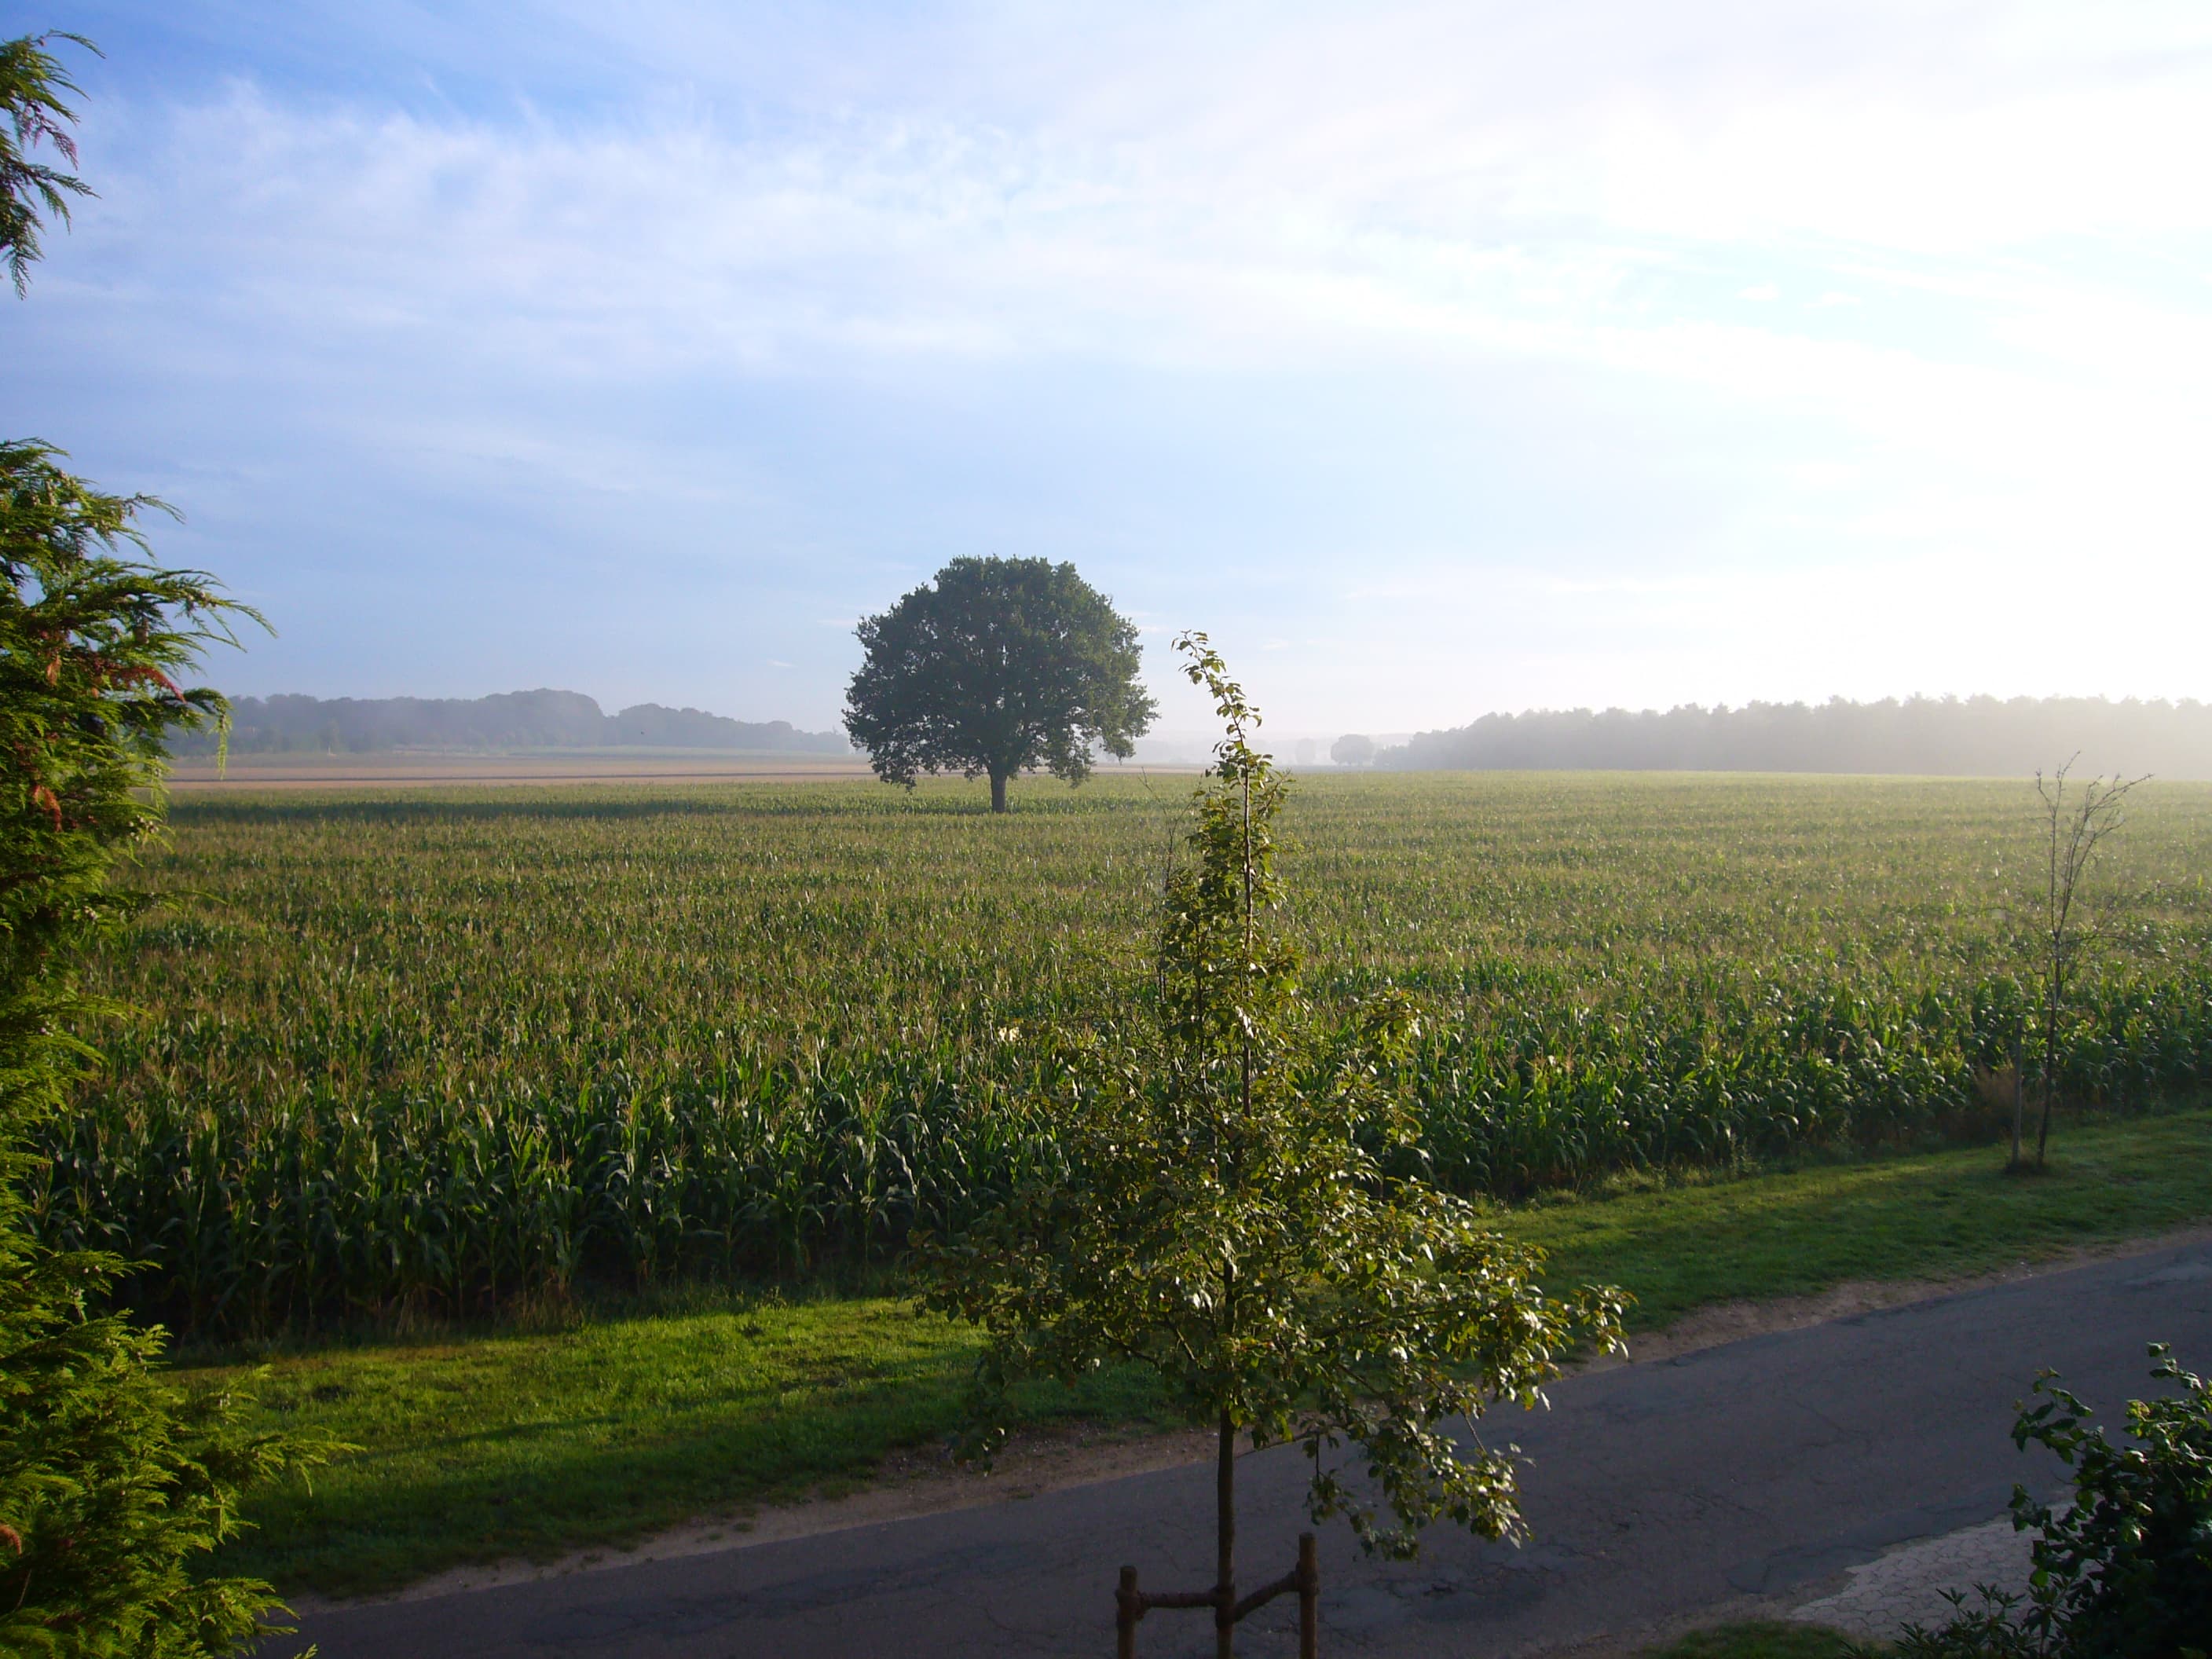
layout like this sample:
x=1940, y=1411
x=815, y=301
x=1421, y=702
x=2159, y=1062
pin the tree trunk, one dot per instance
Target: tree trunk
x=2050, y=1052
x=2018, y=1109
x=997, y=792
x=1224, y=1509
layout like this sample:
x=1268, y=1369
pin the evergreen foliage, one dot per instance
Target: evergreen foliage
x=112, y=1484
x=31, y=112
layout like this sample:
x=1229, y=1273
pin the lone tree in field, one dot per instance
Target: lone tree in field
x=997, y=667
x=1224, y=1217
x=2072, y=830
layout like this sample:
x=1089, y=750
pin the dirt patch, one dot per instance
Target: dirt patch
x=919, y=1482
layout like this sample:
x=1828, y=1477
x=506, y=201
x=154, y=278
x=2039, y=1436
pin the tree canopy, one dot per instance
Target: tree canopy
x=995, y=667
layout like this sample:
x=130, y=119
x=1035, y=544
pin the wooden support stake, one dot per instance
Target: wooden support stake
x=1309, y=1598
x=1131, y=1604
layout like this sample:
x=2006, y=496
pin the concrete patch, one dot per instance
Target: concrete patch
x=1906, y=1586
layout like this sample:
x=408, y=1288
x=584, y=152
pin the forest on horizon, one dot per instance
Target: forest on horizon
x=1967, y=737
x=293, y=724
x=1970, y=737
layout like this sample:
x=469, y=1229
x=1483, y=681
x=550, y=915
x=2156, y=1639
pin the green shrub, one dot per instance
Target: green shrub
x=2125, y=1571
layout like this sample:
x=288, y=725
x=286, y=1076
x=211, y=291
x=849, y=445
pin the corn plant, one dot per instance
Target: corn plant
x=444, y=1050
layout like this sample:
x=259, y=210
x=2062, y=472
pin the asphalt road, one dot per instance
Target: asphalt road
x=1655, y=1490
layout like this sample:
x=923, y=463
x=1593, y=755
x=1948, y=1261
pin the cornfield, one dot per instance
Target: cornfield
x=447, y=1049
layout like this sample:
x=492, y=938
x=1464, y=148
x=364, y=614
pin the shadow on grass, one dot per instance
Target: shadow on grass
x=478, y=1453
x=651, y=1412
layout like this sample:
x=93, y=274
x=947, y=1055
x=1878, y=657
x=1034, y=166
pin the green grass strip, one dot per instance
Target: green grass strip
x=1918, y=1216
x=530, y=1443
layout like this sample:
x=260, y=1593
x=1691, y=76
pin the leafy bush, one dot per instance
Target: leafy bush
x=1991, y=1628
x=2125, y=1571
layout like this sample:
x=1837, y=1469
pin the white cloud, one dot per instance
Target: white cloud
x=1995, y=206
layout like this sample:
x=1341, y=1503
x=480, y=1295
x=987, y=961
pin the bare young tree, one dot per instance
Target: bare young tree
x=2074, y=823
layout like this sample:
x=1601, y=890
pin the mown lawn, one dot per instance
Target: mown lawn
x=1791, y=1233
x=530, y=1443
x=533, y=1442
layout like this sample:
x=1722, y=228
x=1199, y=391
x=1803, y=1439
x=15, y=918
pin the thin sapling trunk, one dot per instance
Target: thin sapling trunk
x=1224, y=1522
x=2071, y=837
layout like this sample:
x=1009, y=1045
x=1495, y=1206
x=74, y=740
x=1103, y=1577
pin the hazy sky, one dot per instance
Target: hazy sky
x=1437, y=359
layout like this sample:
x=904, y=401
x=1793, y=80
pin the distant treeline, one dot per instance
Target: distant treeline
x=509, y=720
x=1948, y=736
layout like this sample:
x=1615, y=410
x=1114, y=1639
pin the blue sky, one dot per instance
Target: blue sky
x=1437, y=359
